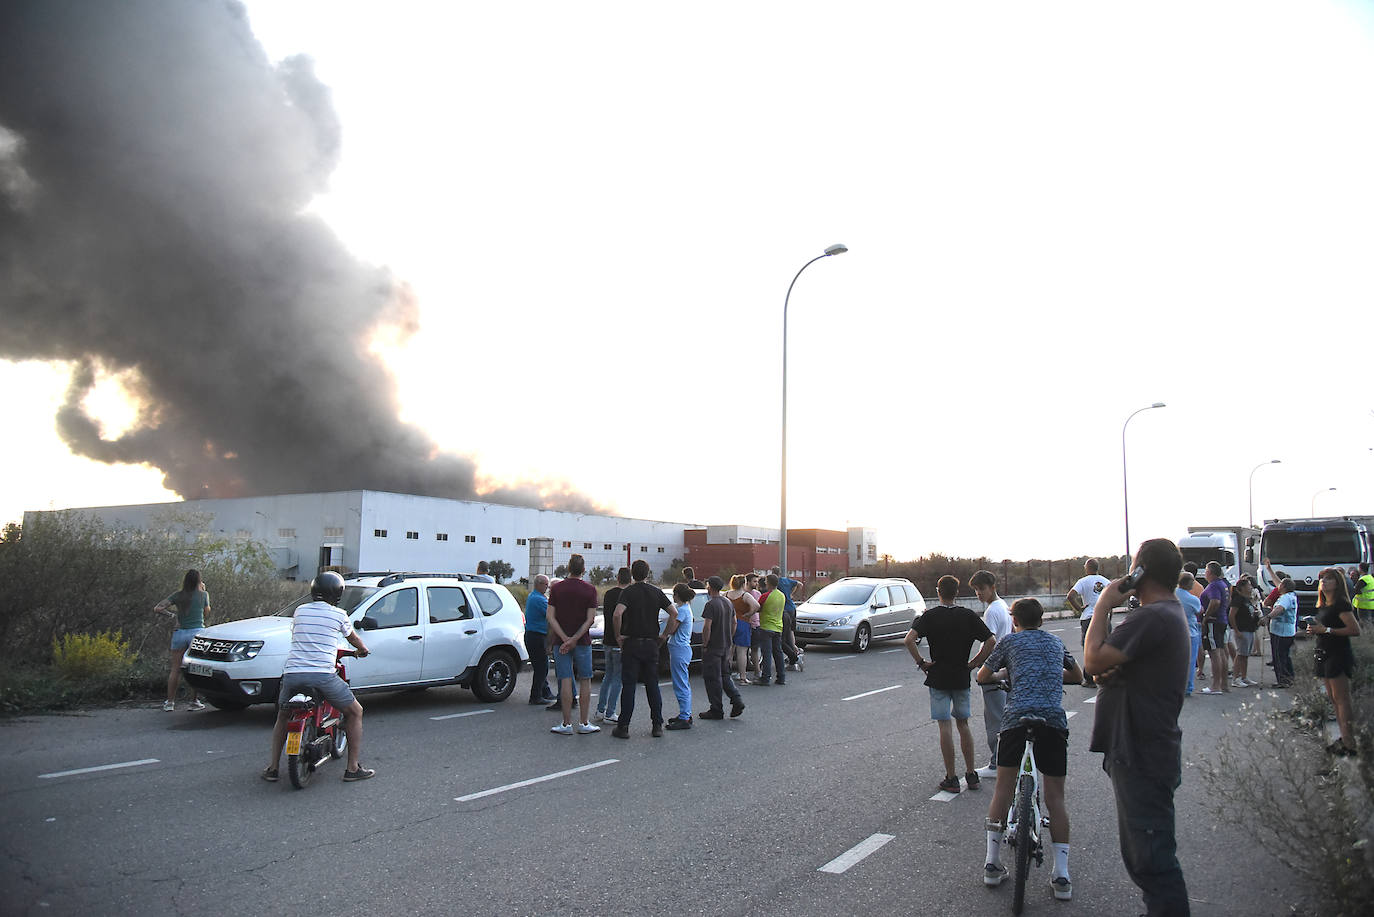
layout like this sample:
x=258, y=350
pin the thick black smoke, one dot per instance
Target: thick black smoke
x=154, y=171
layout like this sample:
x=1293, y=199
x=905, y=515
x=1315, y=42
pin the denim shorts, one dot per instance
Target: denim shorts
x=316, y=684
x=577, y=664
x=943, y=702
x=181, y=638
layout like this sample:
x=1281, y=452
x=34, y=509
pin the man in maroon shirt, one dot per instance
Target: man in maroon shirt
x=572, y=609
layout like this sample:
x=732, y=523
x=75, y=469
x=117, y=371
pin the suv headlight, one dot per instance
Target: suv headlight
x=841, y=621
x=244, y=649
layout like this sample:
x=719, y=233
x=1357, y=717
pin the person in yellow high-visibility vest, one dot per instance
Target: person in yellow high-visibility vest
x=1364, y=596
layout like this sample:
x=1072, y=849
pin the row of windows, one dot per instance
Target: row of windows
x=438, y=536
x=587, y=546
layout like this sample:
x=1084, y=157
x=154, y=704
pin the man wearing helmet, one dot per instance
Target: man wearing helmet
x=315, y=632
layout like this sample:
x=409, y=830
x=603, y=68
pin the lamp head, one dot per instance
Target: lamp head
x=836, y=249
x=1157, y=404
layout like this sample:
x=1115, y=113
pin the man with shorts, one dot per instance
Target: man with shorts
x=1216, y=611
x=952, y=632
x=998, y=619
x=315, y=631
x=1038, y=666
x=572, y=609
x=1083, y=598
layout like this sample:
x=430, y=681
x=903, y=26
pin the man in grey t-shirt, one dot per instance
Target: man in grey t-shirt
x=1143, y=665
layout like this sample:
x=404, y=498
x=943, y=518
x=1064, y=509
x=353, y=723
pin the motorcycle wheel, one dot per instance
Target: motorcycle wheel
x=301, y=767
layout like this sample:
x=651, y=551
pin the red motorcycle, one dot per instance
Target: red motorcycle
x=314, y=732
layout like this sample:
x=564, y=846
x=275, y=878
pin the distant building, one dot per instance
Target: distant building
x=811, y=553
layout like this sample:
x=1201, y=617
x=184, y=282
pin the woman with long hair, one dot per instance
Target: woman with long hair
x=746, y=607
x=1244, y=630
x=191, y=602
x=1334, y=660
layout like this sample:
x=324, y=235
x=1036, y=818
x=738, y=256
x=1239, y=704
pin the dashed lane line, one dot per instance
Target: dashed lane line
x=855, y=854
x=1090, y=700
x=454, y=716
x=871, y=693
x=1070, y=714
x=944, y=796
x=898, y=649
x=533, y=780
x=92, y=770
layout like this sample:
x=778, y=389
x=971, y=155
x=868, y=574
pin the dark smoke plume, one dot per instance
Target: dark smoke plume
x=154, y=170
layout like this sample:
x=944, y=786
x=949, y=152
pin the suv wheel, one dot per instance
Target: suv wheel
x=495, y=678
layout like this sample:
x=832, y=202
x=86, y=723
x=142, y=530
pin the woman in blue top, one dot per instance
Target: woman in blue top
x=1192, y=611
x=191, y=602
x=679, y=633
x=1283, y=628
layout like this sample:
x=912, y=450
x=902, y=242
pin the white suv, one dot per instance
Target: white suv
x=423, y=629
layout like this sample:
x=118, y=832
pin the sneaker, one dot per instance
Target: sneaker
x=564, y=729
x=610, y=719
x=1063, y=888
x=791, y=667
x=169, y=706
x=989, y=770
x=269, y=774
x=1207, y=690
x=598, y=717
x=950, y=784
x=780, y=682
x=362, y=773
x=556, y=705
x=1237, y=683
x=993, y=874
x=678, y=722
x=196, y=704
x=1250, y=684
x=736, y=709
x=621, y=732
x=971, y=778
x=713, y=714
x=657, y=731
x=587, y=729
x=801, y=661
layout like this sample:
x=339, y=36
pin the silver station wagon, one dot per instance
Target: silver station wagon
x=857, y=610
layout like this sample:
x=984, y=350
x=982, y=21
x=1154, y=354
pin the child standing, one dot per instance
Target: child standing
x=679, y=632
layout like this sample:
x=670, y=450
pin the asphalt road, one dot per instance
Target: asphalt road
x=731, y=817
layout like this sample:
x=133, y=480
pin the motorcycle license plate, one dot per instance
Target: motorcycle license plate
x=196, y=668
x=293, y=743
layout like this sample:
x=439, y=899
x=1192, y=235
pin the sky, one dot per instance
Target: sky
x=1056, y=214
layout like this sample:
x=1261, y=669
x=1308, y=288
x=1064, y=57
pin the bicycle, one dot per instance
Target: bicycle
x=315, y=731
x=1026, y=817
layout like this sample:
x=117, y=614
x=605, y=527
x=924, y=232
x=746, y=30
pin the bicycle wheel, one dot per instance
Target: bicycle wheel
x=1025, y=790
x=300, y=766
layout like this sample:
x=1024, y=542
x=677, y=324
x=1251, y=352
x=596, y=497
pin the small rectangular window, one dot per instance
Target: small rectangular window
x=243, y=533
x=413, y=536
x=606, y=547
x=495, y=539
x=379, y=533
x=586, y=545
x=644, y=549
x=331, y=531
x=520, y=542
x=441, y=536
x=660, y=550
x=470, y=539
x=286, y=533
x=567, y=544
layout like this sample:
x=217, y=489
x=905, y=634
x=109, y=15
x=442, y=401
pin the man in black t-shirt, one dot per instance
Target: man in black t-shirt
x=609, y=696
x=951, y=631
x=717, y=633
x=636, y=624
x=1144, y=668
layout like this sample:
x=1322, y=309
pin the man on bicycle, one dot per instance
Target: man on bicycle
x=315, y=632
x=1038, y=667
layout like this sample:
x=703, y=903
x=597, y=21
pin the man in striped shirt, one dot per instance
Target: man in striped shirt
x=315, y=631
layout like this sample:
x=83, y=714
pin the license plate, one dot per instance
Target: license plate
x=293, y=743
x=196, y=668
x=811, y=630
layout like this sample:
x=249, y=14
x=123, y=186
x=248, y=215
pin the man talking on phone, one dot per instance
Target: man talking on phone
x=1143, y=668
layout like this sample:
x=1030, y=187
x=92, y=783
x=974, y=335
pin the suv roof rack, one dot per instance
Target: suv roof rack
x=390, y=577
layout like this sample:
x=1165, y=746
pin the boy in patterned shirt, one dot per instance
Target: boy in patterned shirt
x=1038, y=666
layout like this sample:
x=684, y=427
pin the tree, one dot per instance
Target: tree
x=560, y=571
x=500, y=570
x=599, y=575
x=673, y=574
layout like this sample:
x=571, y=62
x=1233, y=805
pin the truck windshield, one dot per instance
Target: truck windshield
x=353, y=597
x=1201, y=556
x=1332, y=546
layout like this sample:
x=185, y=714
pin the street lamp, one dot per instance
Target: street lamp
x=1252, y=487
x=782, y=540
x=1125, y=493
x=1316, y=495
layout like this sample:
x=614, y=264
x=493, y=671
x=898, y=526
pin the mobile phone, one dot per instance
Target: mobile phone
x=1133, y=581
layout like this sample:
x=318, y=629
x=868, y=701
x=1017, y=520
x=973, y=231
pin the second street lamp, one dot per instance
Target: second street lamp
x=1252, y=486
x=1318, y=494
x=1125, y=493
x=782, y=535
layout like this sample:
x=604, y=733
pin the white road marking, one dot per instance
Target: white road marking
x=944, y=796
x=1091, y=700
x=1070, y=714
x=533, y=780
x=103, y=767
x=454, y=716
x=845, y=658
x=900, y=649
x=871, y=693
x=854, y=854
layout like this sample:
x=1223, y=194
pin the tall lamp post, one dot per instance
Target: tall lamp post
x=1252, y=486
x=836, y=249
x=1125, y=492
x=1318, y=494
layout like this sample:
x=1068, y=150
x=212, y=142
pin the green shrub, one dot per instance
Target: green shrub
x=79, y=656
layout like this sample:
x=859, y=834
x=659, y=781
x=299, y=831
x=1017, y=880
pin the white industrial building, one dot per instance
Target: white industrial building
x=373, y=531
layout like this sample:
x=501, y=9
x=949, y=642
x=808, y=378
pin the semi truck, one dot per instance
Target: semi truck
x=1303, y=548
x=1232, y=546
